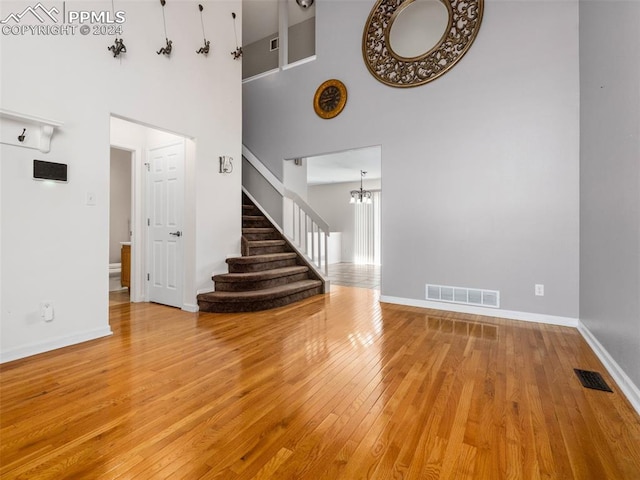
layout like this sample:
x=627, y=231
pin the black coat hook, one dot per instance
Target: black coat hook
x=237, y=53
x=118, y=47
x=207, y=44
x=204, y=50
x=21, y=137
x=166, y=50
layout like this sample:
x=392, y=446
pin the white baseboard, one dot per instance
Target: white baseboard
x=189, y=307
x=205, y=290
x=629, y=389
x=487, y=312
x=53, y=344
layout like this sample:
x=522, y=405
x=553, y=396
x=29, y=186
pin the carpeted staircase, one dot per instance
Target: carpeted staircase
x=269, y=273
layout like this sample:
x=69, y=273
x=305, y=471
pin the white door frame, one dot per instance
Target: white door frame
x=147, y=215
x=138, y=239
x=138, y=147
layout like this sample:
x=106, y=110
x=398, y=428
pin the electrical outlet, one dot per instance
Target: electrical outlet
x=46, y=311
x=539, y=289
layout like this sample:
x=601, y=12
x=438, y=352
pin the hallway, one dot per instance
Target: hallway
x=352, y=275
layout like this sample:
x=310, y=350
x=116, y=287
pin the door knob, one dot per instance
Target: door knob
x=176, y=234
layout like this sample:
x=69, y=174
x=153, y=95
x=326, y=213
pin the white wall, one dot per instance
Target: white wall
x=295, y=177
x=55, y=246
x=480, y=166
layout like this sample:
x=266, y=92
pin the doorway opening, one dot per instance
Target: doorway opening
x=120, y=227
x=152, y=257
x=325, y=182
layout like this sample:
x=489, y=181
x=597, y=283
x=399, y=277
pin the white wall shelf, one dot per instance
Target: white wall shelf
x=38, y=130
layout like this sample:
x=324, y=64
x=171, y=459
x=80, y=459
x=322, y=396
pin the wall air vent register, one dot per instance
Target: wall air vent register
x=462, y=295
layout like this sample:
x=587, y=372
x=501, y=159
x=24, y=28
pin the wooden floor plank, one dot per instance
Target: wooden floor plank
x=338, y=386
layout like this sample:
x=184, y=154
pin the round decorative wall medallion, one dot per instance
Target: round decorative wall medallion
x=396, y=70
x=330, y=98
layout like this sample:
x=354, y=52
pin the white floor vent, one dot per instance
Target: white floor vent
x=466, y=296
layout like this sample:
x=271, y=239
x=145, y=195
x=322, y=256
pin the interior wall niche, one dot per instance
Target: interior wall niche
x=390, y=67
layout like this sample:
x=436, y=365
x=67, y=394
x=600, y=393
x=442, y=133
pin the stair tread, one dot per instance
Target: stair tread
x=264, y=275
x=263, y=294
x=267, y=257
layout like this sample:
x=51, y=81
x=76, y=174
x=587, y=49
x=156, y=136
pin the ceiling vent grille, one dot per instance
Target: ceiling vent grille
x=465, y=296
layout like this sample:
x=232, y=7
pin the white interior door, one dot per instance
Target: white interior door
x=165, y=219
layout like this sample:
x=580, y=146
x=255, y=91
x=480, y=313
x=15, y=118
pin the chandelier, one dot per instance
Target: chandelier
x=360, y=196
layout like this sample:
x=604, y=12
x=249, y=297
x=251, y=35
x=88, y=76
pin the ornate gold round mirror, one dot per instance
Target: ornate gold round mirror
x=407, y=43
x=417, y=27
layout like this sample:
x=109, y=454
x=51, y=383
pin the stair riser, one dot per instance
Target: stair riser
x=260, y=267
x=262, y=236
x=229, y=307
x=265, y=250
x=222, y=286
x=255, y=223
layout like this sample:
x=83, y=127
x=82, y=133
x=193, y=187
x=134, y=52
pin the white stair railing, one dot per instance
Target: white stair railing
x=303, y=227
x=306, y=230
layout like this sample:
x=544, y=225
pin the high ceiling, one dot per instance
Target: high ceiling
x=260, y=18
x=344, y=166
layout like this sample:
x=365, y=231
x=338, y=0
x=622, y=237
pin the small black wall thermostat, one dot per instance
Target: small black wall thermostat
x=49, y=171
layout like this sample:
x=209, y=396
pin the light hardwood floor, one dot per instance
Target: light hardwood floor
x=352, y=275
x=336, y=387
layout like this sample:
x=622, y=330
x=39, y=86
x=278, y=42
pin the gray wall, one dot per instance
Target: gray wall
x=302, y=40
x=480, y=167
x=257, y=58
x=267, y=196
x=610, y=178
